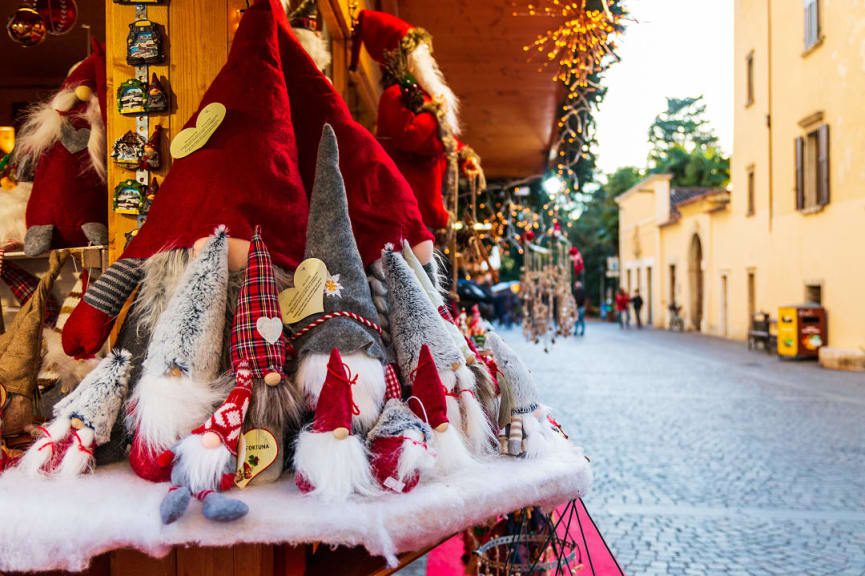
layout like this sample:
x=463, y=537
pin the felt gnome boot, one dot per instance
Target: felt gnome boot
x=21, y=352
x=177, y=391
x=82, y=421
x=64, y=140
x=257, y=338
x=427, y=401
x=349, y=321
x=199, y=194
x=205, y=461
x=415, y=322
x=526, y=422
x=329, y=461
x=400, y=447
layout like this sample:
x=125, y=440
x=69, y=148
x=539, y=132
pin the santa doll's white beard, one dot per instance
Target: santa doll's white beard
x=415, y=457
x=367, y=393
x=13, y=205
x=315, y=46
x=426, y=71
x=334, y=468
x=167, y=408
x=199, y=467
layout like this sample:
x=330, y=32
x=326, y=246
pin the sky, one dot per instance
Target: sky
x=676, y=48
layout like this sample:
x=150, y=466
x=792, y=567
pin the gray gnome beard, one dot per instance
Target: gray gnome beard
x=522, y=391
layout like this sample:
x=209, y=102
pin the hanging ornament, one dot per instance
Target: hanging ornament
x=26, y=26
x=60, y=16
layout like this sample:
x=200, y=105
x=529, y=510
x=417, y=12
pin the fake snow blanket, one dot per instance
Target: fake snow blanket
x=60, y=524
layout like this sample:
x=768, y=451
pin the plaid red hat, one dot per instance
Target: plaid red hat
x=228, y=418
x=257, y=333
x=335, y=405
x=428, y=392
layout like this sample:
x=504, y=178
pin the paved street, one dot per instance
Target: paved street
x=709, y=459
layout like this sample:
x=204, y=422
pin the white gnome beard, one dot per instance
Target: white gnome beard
x=367, y=393
x=40, y=453
x=13, y=205
x=198, y=467
x=315, y=46
x=96, y=142
x=79, y=457
x=414, y=456
x=43, y=125
x=334, y=468
x=475, y=423
x=426, y=71
x=451, y=452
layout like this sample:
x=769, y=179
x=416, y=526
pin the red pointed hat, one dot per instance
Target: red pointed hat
x=427, y=387
x=247, y=172
x=335, y=404
x=256, y=336
x=380, y=32
x=90, y=72
x=227, y=420
x=381, y=203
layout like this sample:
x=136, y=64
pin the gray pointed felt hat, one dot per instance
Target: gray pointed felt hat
x=330, y=239
x=524, y=395
x=414, y=321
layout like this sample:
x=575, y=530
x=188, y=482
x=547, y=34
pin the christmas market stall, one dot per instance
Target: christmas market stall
x=233, y=344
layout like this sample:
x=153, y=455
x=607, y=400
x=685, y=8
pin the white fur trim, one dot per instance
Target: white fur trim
x=335, y=468
x=197, y=467
x=426, y=71
x=368, y=392
x=315, y=46
x=33, y=461
x=77, y=461
x=13, y=205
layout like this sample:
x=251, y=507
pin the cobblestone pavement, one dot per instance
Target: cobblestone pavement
x=708, y=458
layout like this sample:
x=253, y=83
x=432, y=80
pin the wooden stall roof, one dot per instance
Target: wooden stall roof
x=508, y=106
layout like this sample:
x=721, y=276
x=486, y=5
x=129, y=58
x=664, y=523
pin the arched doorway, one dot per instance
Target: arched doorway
x=695, y=273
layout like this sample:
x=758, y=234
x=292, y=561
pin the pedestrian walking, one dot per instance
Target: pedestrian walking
x=622, y=309
x=637, y=302
x=580, y=297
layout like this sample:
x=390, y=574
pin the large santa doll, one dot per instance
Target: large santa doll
x=418, y=113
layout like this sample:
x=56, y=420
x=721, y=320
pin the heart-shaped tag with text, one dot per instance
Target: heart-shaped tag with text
x=269, y=328
x=191, y=139
x=257, y=449
x=306, y=297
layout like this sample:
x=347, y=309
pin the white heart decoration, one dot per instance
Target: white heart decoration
x=269, y=328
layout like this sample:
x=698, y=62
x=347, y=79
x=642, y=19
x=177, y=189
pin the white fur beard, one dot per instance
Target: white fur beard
x=451, y=452
x=78, y=458
x=96, y=143
x=165, y=409
x=198, y=467
x=335, y=468
x=315, y=46
x=39, y=454
x=476, y=426
x=13, y=204
x=426, y=71
x=57, y=364
x=414, y=457
x=367, y=392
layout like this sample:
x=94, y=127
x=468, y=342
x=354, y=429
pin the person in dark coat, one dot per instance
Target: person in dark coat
x=580, y=297
x=637, y=303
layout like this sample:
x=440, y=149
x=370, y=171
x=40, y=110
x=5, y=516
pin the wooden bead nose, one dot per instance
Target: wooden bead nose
x=455, y=366
x=76, y=423
x=340, y=433
x=175, y=372
x=272, y=378
x=83, y=93
x=442, y=428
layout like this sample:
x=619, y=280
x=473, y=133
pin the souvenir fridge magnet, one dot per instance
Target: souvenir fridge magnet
x=157, y=97
x=150, y=154
x=132, y=152
x=132, y=97
x=129, y=197
x=144, y=44
x=152, y=188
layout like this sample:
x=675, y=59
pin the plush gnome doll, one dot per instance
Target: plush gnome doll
x=256, y=140
x=205, y=461
x=304, y=24
x=349, y=321
x=178, y=387
x=428, y=402
x=21, y=352
x=257, y=337
x=400, y=446
x=526, y=422
x=329, y=461
x=63, y=143
x=418, y=113
x=82, y=420
x=415, y=322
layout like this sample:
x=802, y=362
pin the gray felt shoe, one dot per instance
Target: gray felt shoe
x=174, y=504
x=38, y=239
x=221, y=508
x=96, y=232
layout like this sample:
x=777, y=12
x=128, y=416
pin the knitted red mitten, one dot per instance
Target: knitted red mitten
x=86, y=330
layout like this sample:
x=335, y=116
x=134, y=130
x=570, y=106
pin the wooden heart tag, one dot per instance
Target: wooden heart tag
x=257, y=449
x=306, y=297
x=192, y=139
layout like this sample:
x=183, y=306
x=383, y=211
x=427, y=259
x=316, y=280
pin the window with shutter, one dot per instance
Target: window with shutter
x=823, y=165
x=812, y=23
x=812, y=169
x=800, y=173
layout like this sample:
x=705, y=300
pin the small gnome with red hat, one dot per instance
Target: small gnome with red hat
x=329, y=461
x=427, y=401
x=418, y=113
x=400, y=447
x=256, y=139
x=205, y=461
x=61, y=149
x=349, y=321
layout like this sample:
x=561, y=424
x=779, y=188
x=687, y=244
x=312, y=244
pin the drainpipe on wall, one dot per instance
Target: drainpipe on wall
x=769, y=114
